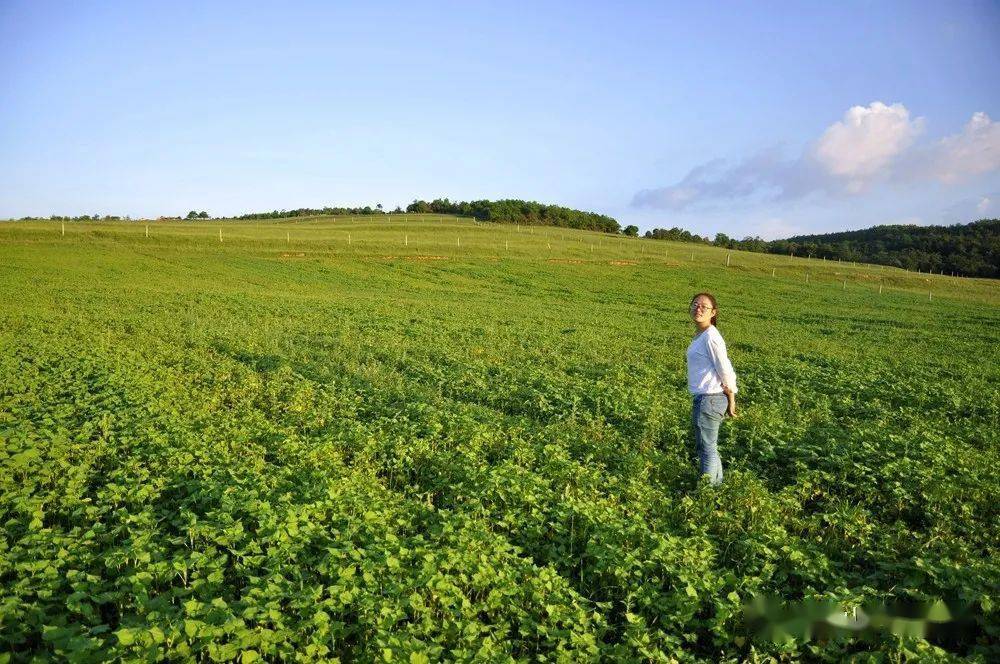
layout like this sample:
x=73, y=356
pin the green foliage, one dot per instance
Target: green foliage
x=366, y=210
x=967, y=250
x=243, y=451
x=511, y=211
x=675, y=234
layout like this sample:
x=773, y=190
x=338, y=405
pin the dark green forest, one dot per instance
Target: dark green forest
x=315, y=212
x=513, y=211
x=970, y=250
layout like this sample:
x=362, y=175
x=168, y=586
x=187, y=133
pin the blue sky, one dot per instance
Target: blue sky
x=744, y=118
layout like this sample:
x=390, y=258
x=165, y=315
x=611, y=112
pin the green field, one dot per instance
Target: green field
x=429, y=439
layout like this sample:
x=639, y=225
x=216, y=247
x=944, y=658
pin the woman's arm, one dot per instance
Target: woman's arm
x=720, y=360
x=727, y=375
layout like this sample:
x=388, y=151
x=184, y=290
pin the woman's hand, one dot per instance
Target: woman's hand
x=731, y=410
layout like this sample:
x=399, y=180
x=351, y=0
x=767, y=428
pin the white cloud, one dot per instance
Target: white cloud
x=865, y=142
x=969, y=209
x=974, y=151
x=765, y=172
x=870, y=145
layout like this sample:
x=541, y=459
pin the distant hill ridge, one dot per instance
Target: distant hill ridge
x=506, y=211
x=971, y=250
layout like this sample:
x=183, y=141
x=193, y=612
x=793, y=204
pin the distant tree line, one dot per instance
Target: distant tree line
x=971, y=250
x=966, y=249
x=110, y=217
x=316, y=212
x=81, y=217
x=676, y=235
x=513, y=211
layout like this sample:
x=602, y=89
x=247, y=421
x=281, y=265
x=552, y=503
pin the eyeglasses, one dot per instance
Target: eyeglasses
x=701, y=307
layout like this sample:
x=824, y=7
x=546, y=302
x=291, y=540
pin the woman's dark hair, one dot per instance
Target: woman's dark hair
x=715, y=306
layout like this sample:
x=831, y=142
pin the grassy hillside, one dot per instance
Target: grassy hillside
x=435, y=438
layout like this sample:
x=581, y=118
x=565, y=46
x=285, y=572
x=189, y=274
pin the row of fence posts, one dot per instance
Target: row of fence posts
x=548, y=244
x=930, y=294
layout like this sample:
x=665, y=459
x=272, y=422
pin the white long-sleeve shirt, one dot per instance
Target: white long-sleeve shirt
x=708, y=364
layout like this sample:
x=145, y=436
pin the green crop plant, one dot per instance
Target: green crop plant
x=362, y=439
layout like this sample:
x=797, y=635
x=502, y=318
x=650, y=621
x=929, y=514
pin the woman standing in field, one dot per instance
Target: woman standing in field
x=712, y=381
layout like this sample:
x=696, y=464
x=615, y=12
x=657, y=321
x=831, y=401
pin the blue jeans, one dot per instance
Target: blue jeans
x=706, y=416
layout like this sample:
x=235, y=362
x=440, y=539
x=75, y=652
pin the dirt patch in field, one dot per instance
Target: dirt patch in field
x=566, y=261
x=426, y=258
x=622, y=263
x=292, y=254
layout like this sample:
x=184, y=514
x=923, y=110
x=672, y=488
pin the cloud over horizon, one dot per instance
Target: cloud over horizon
x=974, y=151
x=871, y=145
x=858, y=149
